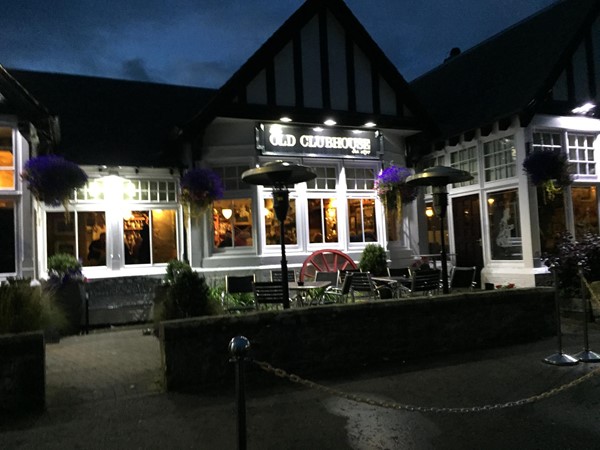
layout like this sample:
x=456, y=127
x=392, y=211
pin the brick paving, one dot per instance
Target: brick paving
x=104, y=365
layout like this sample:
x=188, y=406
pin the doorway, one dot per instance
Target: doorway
x=467, y=232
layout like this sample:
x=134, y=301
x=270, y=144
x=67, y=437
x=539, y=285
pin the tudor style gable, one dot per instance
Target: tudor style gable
x=321, y=62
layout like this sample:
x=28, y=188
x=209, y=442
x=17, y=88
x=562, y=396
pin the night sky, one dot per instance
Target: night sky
x=203, y=42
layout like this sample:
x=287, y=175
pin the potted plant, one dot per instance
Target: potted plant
x=199, y=188
x=66, y=281
x=374, y=260
x=393, y=191
x=52, y=179
x=549, y=169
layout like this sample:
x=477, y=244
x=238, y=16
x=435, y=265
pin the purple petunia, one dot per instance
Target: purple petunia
x=52, y=179
x=391, y=184
x=200, y=187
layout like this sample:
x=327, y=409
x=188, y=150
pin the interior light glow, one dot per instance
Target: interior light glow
x=227, y=212
x=286, y=119
x=583, y=109
x=429, y=212
x=330, y=122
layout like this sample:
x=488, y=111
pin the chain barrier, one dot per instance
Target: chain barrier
x=591, y=291
x=422, y=409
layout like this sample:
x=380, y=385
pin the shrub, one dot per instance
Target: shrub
x=373, y=259
x=187, y=294
x=63, y=267
x=25, y=308
x=571, y=255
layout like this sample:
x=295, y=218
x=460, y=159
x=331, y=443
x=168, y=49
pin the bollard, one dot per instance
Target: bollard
x=238, y=347
x=559, y=358
x=586, y=355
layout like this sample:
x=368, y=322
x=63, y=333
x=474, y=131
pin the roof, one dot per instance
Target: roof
x=15, y=100
x=320, y=61
x=115, y=122
x=508, y=74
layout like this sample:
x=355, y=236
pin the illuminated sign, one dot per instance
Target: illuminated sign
x=277, y=139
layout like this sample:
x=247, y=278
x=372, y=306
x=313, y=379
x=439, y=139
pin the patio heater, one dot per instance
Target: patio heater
x=438, y=178
x=279, y=175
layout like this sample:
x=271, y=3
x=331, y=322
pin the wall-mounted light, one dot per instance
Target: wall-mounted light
x=330, y=122
x=429, y=212
x=370, y=124
x=285, y=119
x=583, y=109
x=227, y=212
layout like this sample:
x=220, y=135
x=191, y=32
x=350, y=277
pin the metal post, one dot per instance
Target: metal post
x=238, y=348
x=559, y=358
x=281, y=204
x=586, y=355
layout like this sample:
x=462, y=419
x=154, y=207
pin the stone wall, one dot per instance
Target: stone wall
x=22, y=372
x=342, y=338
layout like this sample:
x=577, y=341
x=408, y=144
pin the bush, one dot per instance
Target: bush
x=374, y=260
x=25, y=308
x=63, y=267
x=187, y=294
x=571, y=255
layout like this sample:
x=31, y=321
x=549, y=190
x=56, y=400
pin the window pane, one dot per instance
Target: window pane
x=7, y=160
x=7, y=243
x=91, y=234
x=60, y=233
x=232, y=222
x=499, y=159
x=585, y=210
x=164, y=235
x=361, y=220
x=322, y=220
x=136, y=232
x=505, y=232
x=272, y=224
x=552, y=219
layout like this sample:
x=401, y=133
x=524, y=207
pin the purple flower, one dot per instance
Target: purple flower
x=52, y=179
x=391, y=184
x=200, y=187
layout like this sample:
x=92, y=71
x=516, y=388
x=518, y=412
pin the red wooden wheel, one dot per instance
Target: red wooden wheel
x=325, y=261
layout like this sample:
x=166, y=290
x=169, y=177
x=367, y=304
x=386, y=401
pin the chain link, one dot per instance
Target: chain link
x=422, y=409
x=590, y=290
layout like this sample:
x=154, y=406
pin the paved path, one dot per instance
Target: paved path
x=103, y=365
x=115, y=415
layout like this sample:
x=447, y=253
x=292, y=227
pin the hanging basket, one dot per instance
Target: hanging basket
x=200, y=187
x=549, y=169
x=52, y=179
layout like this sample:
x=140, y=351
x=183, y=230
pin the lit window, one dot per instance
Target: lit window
x=360, y=179
x=500, y=158
x=272, y=231
x=7, y=159
x=322, y=220
x=232, y=223
x=361, y=220
x=504, y=222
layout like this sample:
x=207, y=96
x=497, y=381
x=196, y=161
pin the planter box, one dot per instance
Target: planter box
x=22, y=373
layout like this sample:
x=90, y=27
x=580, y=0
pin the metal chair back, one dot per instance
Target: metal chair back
x=363, y=286
x=327, y=276
x=425, y=281
x=268, y=293
x=463, y=278
x=237, y=284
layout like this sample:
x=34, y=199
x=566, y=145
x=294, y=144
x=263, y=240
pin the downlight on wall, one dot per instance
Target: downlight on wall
x=583, y=109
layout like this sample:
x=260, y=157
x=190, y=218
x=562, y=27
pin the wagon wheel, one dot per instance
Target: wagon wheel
x=325, y=261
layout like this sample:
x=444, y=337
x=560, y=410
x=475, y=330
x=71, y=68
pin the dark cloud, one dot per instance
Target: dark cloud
x=204, y=42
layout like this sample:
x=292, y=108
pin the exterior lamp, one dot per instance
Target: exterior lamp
x=279, y=175
x=438, y=178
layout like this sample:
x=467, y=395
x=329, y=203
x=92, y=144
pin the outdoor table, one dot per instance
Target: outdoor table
x=307, y=293
x=398, y=284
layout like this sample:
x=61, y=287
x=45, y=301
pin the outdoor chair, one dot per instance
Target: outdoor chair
x=425, y=281
x=339, y=294
x=237, y=285
x=363, y=287
x=463, y=278
x=327, y=276
x=276, y=275
x=268, y=293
